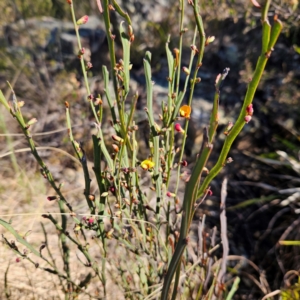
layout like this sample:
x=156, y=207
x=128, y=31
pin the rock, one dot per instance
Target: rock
x=57, y=38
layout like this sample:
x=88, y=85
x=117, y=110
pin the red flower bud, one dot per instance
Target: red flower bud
x=82, y=20
x=249, y=109
x=169, y=194
x=184, y=163
x=178, y=128
x=91, y=221
x=209, y=192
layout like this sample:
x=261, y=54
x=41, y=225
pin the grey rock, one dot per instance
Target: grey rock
x=57, y=38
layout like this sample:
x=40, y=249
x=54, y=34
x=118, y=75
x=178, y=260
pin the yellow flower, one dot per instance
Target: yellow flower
x=185, y=111
x=147, y=164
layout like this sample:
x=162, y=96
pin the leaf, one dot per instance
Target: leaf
x=19, y=238
x=126, y=57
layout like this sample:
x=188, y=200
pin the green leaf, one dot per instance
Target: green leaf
x=126, y=57
x=275, y=32
x=19, y=238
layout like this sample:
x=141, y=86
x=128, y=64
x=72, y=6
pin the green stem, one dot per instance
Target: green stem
x=155, y=135
x=240, y=123
x=111, y=47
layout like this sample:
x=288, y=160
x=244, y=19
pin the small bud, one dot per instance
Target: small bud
x=183, y=31
x=112, y=189
x=51, y=198
x=31, y=122
x=88, y=66
x=178, y=128
x=92, y=197
x=209, y=40
x=91, y=221
x=91, y=97
x=115, y=147
x=131, y=39
x=69, y=2
x=169, y=194
x=250, y=110
x=18, y=259
x=205, y=170
x=157, y=127
x=186, y=70
x=229, y=160
x=81, y=51
x=209, y=192
x=228, y=128
x=21, y=104
x=67, y=105
x=98, y=101
x=43, y=173
x=194, y=49
x=247, y=119
x=184, y=163
x=82, y=20
x=117, y=138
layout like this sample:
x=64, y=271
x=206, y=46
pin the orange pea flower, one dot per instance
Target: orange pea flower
x=185, y=111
